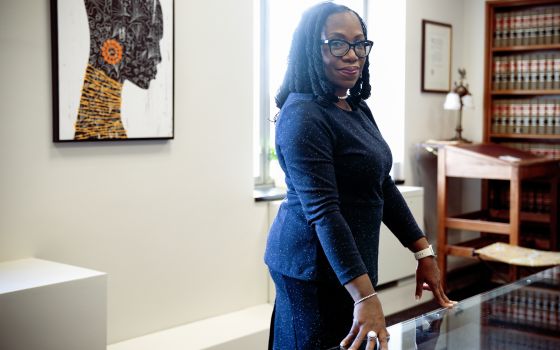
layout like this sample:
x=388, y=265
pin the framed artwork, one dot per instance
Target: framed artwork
x=113, y=63
x=436, y=56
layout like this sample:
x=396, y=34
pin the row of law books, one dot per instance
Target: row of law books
x=525, y=125
x=526, y=72
x=506, y=339
x=535, y=239
x=535, y=197
x=539, y=26
x=527, y=307
x=552, y=276
x=547, y=150
x=526, y=116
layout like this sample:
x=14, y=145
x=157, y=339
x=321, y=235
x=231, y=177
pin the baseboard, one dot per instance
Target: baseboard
x=241, y=330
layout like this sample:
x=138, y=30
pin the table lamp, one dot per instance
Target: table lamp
x=457, y=99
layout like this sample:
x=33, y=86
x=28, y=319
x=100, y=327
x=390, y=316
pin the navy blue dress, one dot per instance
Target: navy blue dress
x=326, y=233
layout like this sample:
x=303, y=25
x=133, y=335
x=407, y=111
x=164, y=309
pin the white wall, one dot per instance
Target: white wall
x=425, y=117
x=173, y=223
x=473, y=58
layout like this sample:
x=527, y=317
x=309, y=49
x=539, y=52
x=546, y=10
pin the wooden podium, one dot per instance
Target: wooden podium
x=492, y=162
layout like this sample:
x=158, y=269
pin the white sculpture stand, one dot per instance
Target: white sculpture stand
x=51, y=306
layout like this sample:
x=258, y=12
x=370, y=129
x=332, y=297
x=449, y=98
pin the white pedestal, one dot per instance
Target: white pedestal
x=51, y=306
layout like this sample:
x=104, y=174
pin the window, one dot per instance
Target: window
x=275, y=25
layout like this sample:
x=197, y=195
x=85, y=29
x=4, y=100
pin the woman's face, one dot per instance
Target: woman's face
x=343, y=72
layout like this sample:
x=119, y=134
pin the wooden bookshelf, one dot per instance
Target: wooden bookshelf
x=522, y=75
x=522, y=110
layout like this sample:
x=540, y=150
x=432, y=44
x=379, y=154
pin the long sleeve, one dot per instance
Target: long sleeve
x=305, y=146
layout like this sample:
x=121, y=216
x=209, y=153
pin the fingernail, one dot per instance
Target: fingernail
x=417, y=298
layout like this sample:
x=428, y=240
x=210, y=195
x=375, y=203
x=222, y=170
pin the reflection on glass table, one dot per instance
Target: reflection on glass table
x=521, y=315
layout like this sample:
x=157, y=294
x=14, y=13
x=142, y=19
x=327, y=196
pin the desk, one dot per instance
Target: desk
x=493, y=162
x=520, y=315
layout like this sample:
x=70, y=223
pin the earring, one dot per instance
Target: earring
x=112, y=51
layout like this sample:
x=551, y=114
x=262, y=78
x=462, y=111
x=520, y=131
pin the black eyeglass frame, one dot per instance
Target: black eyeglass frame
x=366, y=43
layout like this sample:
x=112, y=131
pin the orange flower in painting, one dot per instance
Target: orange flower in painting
x=112, y=51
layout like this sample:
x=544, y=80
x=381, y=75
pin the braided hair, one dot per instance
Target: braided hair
x=305, y=73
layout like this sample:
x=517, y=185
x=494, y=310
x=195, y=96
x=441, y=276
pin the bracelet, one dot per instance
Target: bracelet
x=365, y=298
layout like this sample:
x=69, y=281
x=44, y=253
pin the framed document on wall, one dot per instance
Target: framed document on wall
x=436, y=56
x=112, y=70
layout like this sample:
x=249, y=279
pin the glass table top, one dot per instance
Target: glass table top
x=520, y=315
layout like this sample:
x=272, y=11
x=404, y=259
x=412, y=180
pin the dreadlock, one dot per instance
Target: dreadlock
x=305, y=73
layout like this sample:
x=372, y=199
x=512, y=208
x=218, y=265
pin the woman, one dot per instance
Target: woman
x=323, y=245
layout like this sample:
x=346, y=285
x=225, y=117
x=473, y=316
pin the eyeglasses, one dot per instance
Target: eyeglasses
x=339, y=47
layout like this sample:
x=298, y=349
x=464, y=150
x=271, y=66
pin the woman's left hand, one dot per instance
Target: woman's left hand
x=427, y=273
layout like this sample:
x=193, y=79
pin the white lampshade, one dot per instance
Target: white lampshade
x=452, y=101
x=468, y=101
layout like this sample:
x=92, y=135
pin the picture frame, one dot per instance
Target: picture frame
x=112, y=70
x=436, y=56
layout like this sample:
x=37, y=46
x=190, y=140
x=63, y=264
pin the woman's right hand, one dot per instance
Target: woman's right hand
x=368, y=316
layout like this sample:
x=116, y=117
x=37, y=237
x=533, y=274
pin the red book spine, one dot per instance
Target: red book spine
x=510, y=83
x=556, y=72
x=534, y=28
x=542, y=72
x=541, y=128
x=496, y=117
x=534, y=71
x=496, y=77
x=499, y=23
x=506, y=23
x=518, y=73
x=540, y=26
x=548, y=26
x=534, y=116
x=549, y=72
x=525, y=73
x=526, y=115
x=550, y=109
x=556, y=25
x=525, y=28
